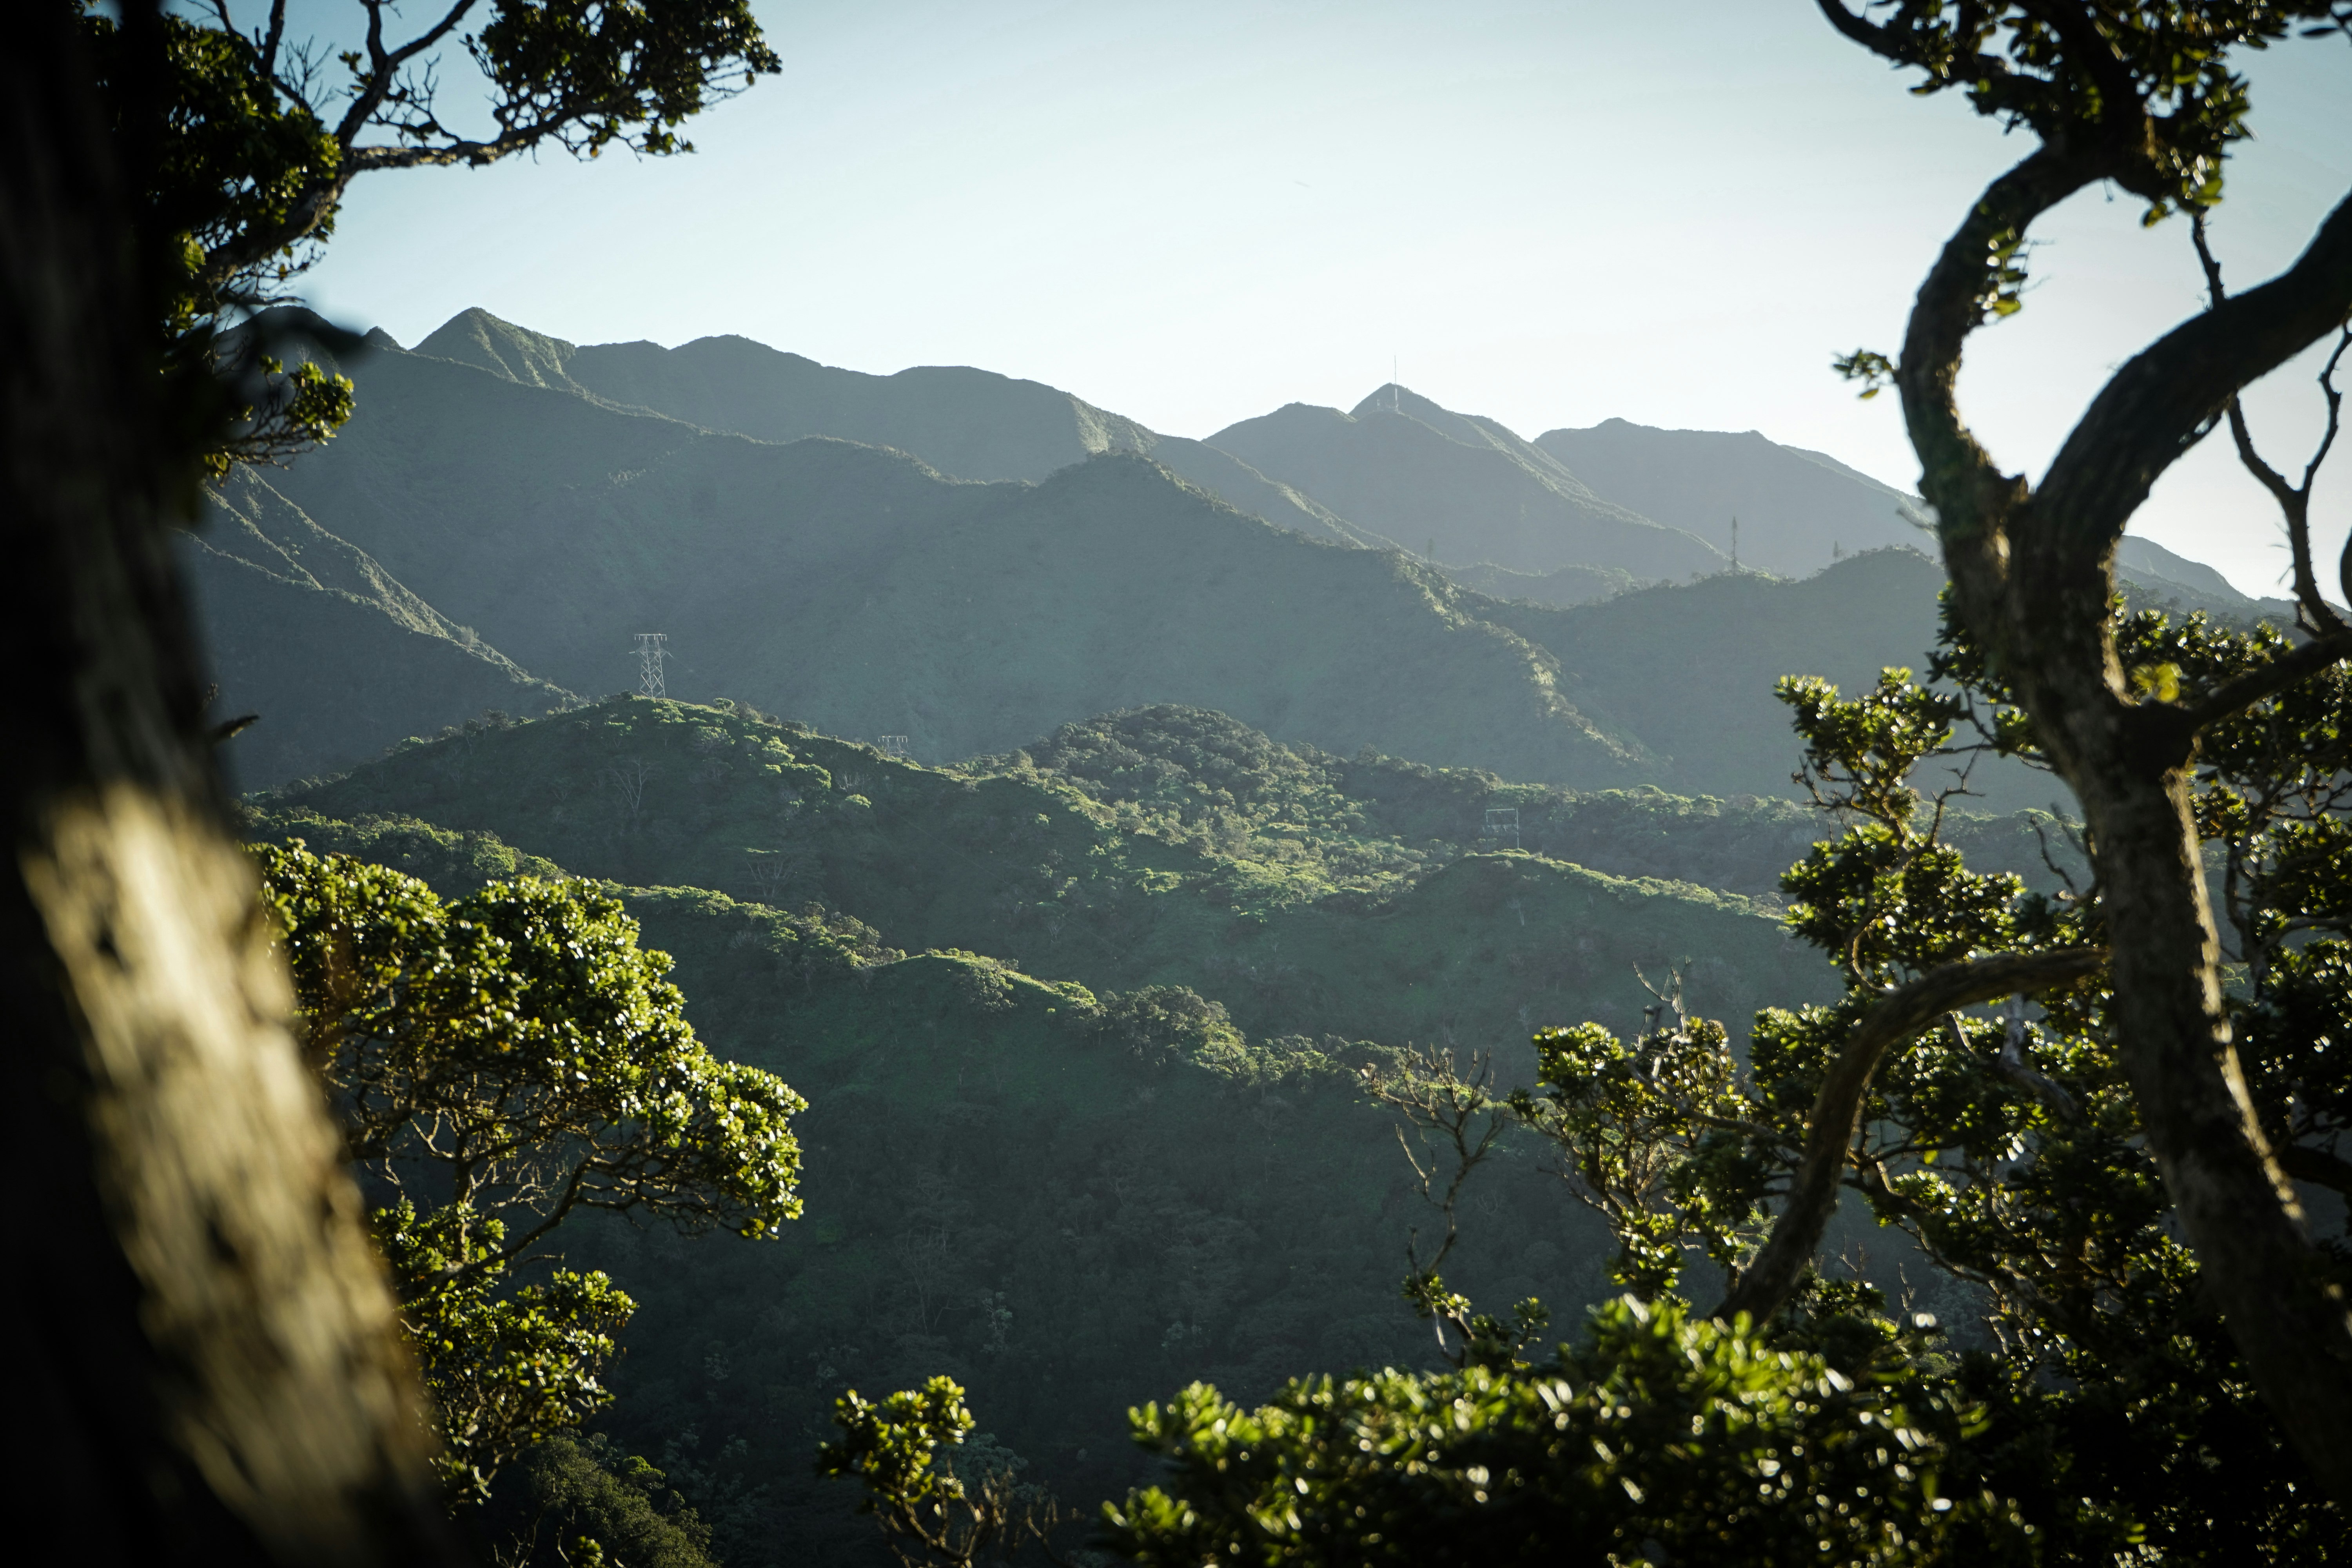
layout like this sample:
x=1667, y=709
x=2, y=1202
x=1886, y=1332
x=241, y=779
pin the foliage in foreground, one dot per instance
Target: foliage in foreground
x=573, y=1503
x=1658, y=1440
x=2096, y=1410
x=256, y=137
x=500, y=1063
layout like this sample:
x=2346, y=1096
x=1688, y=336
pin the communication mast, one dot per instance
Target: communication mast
x=891, y=745
x=650, y=655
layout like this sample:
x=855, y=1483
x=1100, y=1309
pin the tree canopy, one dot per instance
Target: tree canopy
x=2076, y=1397
x=257, y=132
x=2145, y=96
x=498, y=1064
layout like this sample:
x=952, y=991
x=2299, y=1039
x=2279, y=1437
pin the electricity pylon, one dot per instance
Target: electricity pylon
x=650, y=664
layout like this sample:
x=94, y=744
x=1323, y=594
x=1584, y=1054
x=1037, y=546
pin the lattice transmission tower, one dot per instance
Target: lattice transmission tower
x=650, y=655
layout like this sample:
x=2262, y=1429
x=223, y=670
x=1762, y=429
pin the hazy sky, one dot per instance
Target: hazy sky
x=1193, y=213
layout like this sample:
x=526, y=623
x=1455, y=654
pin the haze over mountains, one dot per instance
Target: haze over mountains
x=971, y=561
x=1201, y=794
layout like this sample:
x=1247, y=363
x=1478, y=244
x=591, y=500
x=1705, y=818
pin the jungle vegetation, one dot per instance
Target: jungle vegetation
x=1106, y=1043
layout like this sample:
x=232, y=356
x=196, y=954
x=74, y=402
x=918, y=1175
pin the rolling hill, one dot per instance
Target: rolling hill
x=1343, y=897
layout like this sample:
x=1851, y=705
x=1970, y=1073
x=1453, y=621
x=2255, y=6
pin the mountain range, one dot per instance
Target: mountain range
x=1075, y=815
x=967, y=561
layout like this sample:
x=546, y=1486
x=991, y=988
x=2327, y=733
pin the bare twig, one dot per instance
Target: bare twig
x=2319, y=617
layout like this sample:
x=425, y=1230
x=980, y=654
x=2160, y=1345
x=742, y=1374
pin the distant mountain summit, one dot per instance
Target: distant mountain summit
x=1466, y=485
x=851, y=586
x=1797, y=510
x=968, y=423
x=506, y=509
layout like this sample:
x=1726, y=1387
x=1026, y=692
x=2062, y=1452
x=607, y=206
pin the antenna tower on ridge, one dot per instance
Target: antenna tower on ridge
x=650, y=655
x=1734, y=543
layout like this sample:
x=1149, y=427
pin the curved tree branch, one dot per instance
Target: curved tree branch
x=2268, y=681
x=2161, y=404
x=2320, y=617
x=1861, y=30
x=2031, y=576
x=1951, y=306
x=1903, y=1012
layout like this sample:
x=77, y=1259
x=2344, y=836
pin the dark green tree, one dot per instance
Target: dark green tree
x=264, y=131
x=2089, y=1403
x=499, y=1064
x=214, y=1352
x=2144, y=98
x=583, y=1500
x=207, y=1337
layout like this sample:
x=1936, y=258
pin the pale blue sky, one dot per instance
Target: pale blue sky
x=1191, y=213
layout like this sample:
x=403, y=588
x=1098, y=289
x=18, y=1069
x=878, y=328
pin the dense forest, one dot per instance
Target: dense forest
x=1363, y=990
x=1083, y=1031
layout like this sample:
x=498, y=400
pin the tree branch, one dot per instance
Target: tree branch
x=1863, y=31
x=2317, y=1166
x=1901, y=1012
x=2242, y=692
x=2161, y=404
x=1951, y=307
x=2009, y=1061
x=271, y=39
x=2090, y=48
x=383, y=66
x=2293, y=500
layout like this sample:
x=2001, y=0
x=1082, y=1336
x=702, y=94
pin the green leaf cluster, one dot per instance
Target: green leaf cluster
x=243, y=144
x=499, y=1062
x=509, y=1369
x=579, y=1499
x=2153, y=80
x=1659, y=1439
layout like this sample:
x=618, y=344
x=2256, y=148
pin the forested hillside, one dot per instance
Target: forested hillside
x=1198, y=801
x=1078, y=1025
x=1359, y=908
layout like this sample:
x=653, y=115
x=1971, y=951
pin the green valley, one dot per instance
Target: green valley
x=1080, y=1027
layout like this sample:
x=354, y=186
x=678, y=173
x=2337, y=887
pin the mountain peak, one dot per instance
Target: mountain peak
x=473, y=336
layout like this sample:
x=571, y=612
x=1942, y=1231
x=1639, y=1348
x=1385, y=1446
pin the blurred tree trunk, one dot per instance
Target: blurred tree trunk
x=212, y=1366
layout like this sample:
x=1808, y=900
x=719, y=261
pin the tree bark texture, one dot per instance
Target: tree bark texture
x=212, y=1367
x=2031, y=571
